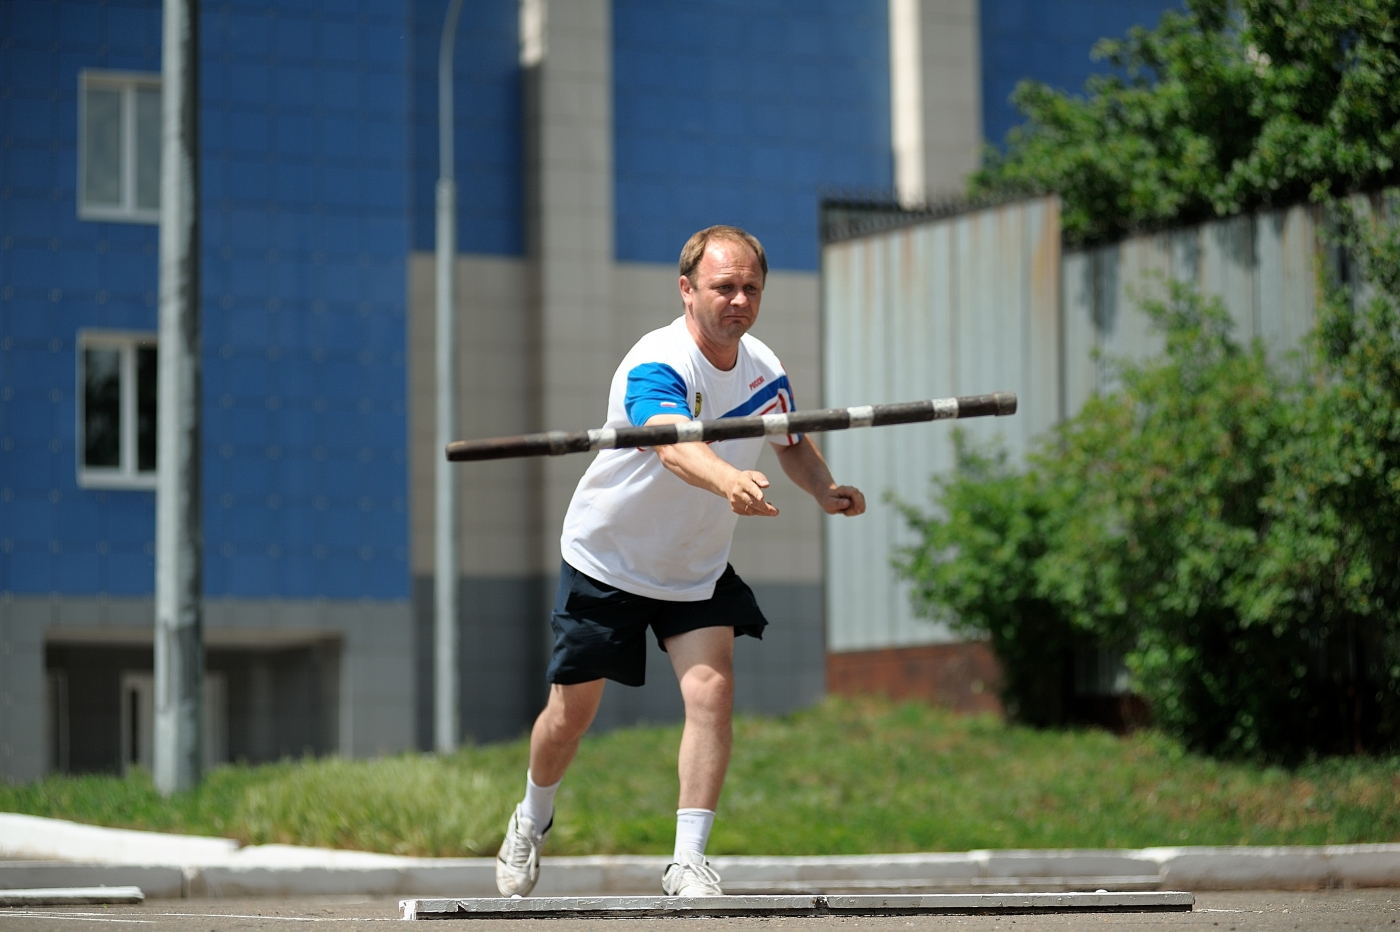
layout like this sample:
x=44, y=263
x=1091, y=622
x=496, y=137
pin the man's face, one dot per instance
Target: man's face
x=722, y=302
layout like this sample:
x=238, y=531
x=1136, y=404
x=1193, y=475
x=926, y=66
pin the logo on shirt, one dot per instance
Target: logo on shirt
x=666, y=404
x=756, y=383
x=698, y=402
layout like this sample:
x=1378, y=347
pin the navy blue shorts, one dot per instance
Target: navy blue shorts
x=600, y=631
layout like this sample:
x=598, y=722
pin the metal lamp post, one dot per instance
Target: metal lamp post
x=445, y=571
x=179, y=628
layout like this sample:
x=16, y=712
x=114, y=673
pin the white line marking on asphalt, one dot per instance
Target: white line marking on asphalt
x=93, y=917
x=81, y=917
x=284, y=918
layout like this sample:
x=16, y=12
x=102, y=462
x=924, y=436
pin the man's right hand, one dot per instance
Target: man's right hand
x=745, y=494
x=696, y=464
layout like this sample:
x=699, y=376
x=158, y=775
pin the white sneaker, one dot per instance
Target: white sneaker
x=692, y=875
x=518, y=863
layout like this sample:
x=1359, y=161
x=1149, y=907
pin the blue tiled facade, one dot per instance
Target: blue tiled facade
x=738, y=112
x=488, y=98
x=319, y=160
x=1049, y=41
x=305, y=231
x=58, y=274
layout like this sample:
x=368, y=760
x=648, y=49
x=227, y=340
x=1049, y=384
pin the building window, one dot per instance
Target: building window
x=117, y=410
x=119, y=146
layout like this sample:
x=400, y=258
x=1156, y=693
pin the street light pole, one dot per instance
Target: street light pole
x=445, y=571
x=179, y=628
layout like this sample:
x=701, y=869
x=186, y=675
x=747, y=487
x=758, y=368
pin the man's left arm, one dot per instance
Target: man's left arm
x=805, y=466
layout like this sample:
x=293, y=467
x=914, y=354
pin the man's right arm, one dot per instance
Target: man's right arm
x=656, y=394
x=696, y=464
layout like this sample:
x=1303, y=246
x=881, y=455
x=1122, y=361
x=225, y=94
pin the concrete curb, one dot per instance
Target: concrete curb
x=52, y=853
x=154, y=881
x=36, y=838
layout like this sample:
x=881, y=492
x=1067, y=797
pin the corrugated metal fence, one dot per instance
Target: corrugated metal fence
x=986, y=301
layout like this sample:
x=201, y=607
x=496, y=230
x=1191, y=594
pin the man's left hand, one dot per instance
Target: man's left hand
x=842, y=500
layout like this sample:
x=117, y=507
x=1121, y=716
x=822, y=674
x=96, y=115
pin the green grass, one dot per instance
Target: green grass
x=845, y=777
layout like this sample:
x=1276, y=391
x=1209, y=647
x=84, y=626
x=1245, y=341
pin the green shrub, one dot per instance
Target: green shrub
x=1329, y=567
x=1237, y=534
x=998, y=523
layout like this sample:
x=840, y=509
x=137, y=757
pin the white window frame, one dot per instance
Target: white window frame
x=125, y=475
x=127, y=82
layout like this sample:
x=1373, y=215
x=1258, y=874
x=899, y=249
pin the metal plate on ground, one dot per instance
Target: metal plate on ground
x=618, y=907
x=886, y=887
x=71, y=896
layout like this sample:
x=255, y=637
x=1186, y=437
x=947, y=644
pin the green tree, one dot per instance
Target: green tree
x=1329, y=567
x=1220, y=108
x=1236, y=533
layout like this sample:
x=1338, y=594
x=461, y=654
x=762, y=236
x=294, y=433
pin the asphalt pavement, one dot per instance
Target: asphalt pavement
x=1214, y=912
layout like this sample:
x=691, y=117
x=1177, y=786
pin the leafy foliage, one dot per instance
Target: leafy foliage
x=1237, y=534
x=1330, y=566
x=1000, y=524
x=1224, y=107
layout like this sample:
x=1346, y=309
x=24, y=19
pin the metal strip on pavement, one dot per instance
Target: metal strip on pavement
x=616, y=907
x=71, y=896
x=951, y=884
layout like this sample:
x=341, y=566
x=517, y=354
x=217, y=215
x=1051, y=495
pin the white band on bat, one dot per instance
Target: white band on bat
x=689, y=431
x=862, y=415
x=774, y=424
x=945, y=408
x=603, y=438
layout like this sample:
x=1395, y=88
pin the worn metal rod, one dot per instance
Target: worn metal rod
x=557, y=442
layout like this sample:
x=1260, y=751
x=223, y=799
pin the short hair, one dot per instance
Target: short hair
x=694, y=249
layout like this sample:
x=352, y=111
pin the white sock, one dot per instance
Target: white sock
x=538, y=804
x=693, y=830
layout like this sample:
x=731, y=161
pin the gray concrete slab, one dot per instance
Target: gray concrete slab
x=71, y=896
x=632, y=907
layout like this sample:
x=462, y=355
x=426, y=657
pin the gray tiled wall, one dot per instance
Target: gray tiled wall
x=376, y=665
x=502, y=655
x=22, y=753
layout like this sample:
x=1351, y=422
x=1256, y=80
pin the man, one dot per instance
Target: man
x=646, y=542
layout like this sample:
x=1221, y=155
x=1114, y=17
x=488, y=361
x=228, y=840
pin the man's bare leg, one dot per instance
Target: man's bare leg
x=559, y=728
x=704, y=663
x=553, y=744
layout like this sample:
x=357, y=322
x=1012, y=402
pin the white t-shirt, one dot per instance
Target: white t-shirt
x=634, y=524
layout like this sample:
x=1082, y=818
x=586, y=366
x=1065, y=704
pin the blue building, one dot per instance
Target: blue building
x=592, y=137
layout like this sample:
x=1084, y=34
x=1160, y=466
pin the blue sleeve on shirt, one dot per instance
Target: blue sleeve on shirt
x=654, y=388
